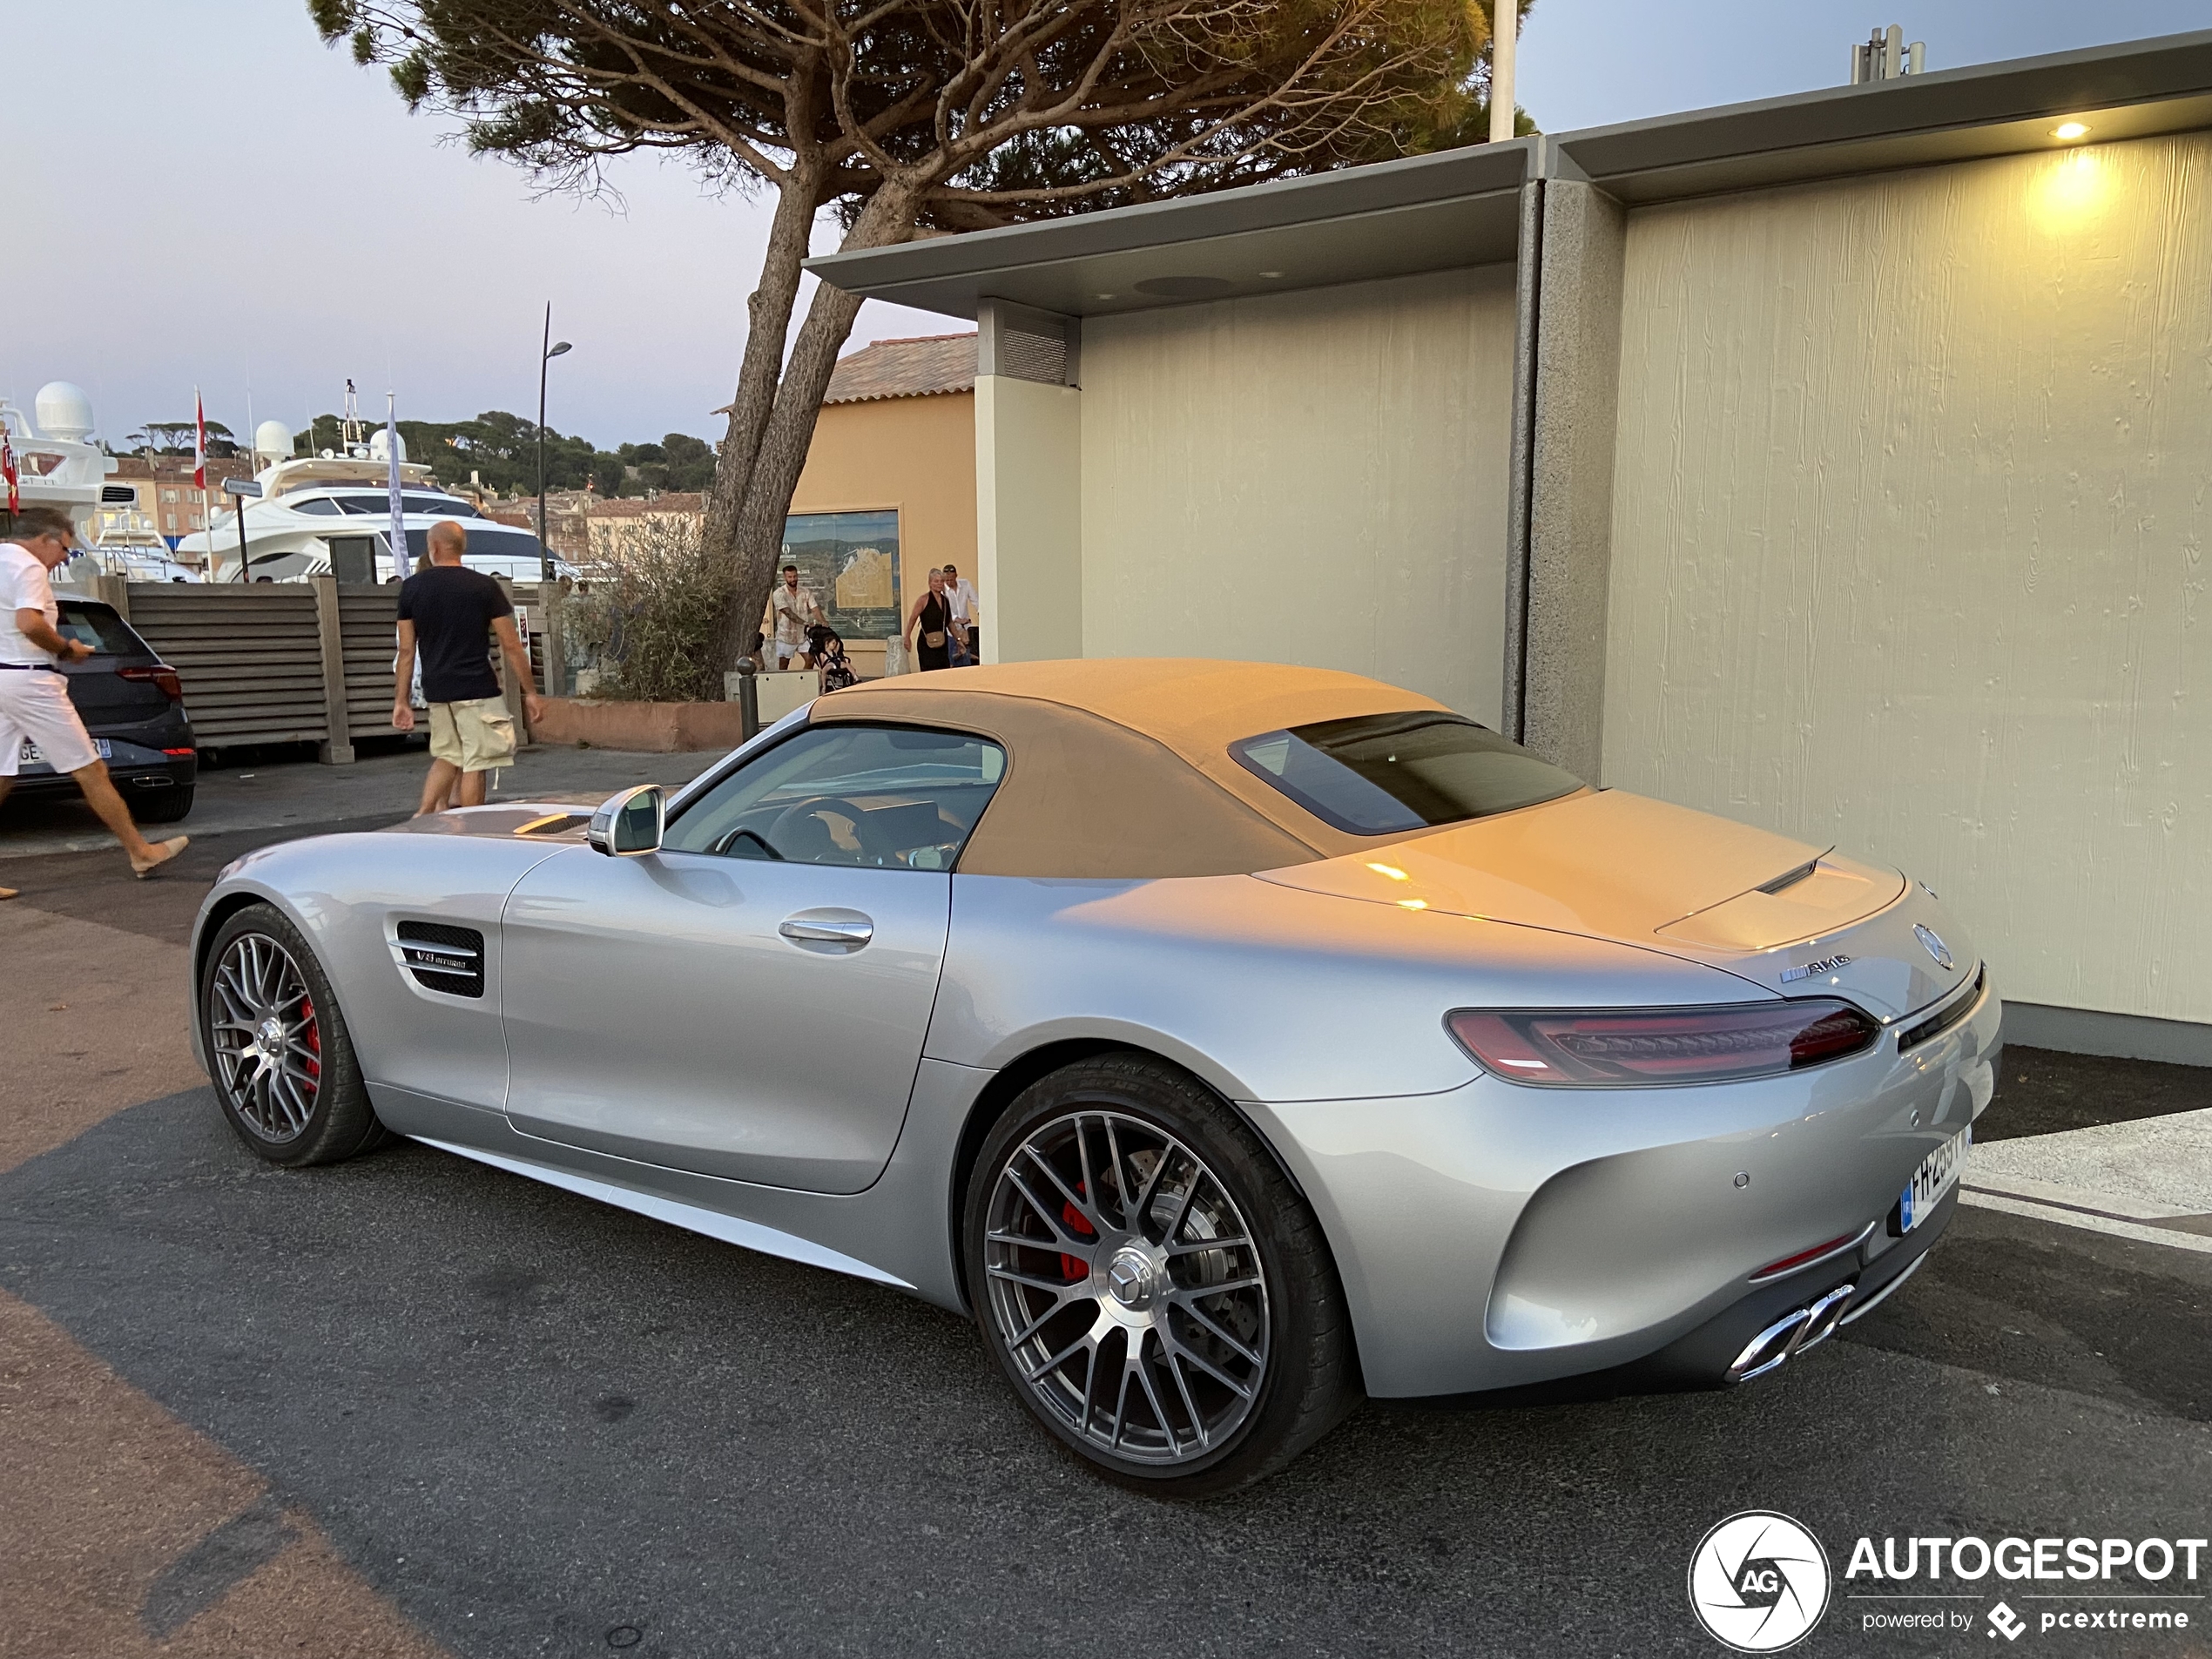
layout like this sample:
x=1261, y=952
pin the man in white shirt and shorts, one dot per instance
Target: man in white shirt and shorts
x=959, y=598
x=34, y=695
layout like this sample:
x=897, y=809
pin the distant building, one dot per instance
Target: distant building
x=609, y=525
x=160, y=487
x=888, y=491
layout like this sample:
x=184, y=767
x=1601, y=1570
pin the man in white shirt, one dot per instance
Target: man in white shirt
x=792, y=610
x=960, y=595
x=34, y=695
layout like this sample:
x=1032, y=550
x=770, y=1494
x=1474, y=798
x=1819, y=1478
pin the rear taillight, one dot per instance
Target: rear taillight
x=1615, y=1048
x=160, y=675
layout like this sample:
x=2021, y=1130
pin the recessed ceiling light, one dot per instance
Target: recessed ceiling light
x=1271, y=273
x=2070, y=131
x=1102, y=296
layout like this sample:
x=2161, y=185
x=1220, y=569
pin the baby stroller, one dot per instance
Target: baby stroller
x=827, y=651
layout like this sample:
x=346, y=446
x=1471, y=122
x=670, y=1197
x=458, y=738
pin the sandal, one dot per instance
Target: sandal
x=165, y=850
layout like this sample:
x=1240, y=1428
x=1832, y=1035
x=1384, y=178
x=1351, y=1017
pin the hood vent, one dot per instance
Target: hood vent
x=443, y=959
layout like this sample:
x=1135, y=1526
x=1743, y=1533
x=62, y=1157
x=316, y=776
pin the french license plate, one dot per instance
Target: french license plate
x=31, y=756
x=1938, y=1174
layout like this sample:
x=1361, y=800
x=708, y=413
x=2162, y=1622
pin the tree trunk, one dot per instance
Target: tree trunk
x=768, y=321
x=778, y=454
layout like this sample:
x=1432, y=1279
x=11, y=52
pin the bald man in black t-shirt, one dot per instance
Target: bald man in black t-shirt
x=450, y=613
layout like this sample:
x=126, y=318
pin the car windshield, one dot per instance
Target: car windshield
x=886, y=797
x=98, y=627
x=1383, y=775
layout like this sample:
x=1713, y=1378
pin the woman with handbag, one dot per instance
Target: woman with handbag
x=933, y=614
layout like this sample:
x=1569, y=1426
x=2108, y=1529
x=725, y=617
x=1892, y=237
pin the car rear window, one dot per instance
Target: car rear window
x=1383, y=775
x=100, y=628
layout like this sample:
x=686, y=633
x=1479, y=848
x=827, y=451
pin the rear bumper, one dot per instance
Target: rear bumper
x=1710, y=1356
x=133, y=765
x=1497, y=1237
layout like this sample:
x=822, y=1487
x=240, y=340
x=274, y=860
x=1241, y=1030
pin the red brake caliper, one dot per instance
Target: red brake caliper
x=314, y=1039
x=1070, y=1266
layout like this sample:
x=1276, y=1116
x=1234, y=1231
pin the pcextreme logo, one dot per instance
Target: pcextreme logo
x=1758, y=1581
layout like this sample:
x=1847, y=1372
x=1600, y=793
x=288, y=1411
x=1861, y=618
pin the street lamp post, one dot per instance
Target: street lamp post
x=549, y=353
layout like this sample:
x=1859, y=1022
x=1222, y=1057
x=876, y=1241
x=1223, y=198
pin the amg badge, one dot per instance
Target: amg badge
x=1812, y=970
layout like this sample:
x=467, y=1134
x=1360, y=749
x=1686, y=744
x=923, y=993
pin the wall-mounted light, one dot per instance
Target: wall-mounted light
x=2069, y=130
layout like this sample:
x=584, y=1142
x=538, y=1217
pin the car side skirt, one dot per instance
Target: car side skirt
x=893, y=1233
x=731, y=1230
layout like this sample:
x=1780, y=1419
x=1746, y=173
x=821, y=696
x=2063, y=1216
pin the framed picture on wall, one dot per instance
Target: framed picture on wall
x=851, y=561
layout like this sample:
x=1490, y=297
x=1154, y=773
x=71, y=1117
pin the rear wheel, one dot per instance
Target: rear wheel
x=277, y=1047
x=1154, y=1288
x=161, y=806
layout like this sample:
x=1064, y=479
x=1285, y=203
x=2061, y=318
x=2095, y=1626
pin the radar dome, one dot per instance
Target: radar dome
x=272, y=440
x=379, y=445
x=63, y=412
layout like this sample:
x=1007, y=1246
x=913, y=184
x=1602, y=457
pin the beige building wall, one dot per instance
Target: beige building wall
x=1028, y=449
x=1316, y=477
x=915, y=453
x=1912, y=496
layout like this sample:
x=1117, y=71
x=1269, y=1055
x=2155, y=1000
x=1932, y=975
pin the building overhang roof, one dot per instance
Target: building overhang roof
x=1460, y=207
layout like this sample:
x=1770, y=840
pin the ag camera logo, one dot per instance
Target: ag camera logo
x=1759, y=1583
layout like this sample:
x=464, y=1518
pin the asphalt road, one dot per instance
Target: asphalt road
x=413, y=1405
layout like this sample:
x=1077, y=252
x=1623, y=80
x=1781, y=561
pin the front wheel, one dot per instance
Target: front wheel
x=277, y=1047
x=1154, y=1289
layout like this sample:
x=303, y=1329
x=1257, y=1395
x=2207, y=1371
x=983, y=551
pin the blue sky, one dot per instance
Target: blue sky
x=239, y=208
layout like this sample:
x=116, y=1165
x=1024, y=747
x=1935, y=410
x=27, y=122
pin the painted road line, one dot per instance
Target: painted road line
x=2085, y=1219
x=2150, y=1179
x=2151, y=1166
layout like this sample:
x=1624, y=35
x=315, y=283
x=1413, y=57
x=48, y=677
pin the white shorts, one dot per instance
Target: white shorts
x=35, y=703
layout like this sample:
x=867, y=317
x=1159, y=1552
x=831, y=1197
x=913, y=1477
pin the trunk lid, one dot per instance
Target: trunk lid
x=1610, y=865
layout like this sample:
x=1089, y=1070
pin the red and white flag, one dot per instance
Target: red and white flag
x=8, y=469
x=198, y=440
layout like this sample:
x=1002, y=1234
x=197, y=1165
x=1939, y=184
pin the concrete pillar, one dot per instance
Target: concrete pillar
x=1028, y=484
x=337, y=747
x=1567, y=387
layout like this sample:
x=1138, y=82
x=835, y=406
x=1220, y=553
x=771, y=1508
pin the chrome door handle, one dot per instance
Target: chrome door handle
x=828, y=927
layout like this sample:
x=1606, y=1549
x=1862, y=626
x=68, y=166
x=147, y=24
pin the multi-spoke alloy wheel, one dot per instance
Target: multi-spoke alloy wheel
x=276, y=1044
x=1123, y=1279
x=1156, y=1289
x=267, y=1045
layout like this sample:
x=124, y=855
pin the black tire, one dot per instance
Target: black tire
x=276, y=1114
x=161, y=806
x=1280, y=1301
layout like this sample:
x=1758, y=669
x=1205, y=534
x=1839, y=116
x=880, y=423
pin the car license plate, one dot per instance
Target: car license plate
x=30, y=756
x=1938, y=1174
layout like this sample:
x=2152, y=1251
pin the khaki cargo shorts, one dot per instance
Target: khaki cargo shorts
x=475, y=736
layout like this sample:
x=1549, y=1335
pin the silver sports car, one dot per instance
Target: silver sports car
x=1227, y=1040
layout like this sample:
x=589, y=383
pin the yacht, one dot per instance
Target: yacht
x=121, y=540
x=331, y=515
x=56, y=463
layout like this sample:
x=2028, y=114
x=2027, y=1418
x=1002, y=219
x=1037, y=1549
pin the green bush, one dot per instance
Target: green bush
x=650, y=614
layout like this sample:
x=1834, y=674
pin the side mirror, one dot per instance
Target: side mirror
x=629, y=824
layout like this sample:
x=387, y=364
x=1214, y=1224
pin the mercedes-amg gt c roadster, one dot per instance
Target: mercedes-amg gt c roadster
x=1227, y=1040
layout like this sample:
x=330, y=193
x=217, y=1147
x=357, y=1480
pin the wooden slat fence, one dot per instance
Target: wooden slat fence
x=250, y=657
x=283, y=662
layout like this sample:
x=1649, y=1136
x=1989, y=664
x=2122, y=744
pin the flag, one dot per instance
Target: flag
x=399, y=508
x=198, y=440
x=8, y=469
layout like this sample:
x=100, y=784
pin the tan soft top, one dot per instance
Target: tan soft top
x=1120, y=766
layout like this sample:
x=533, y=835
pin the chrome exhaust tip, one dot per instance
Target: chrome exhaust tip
x=1791, y=1335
